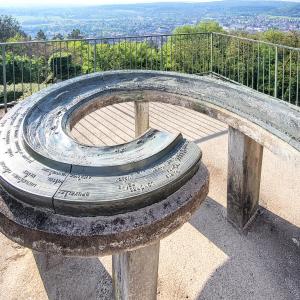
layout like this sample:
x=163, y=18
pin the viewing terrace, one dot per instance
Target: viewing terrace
x=208, y=258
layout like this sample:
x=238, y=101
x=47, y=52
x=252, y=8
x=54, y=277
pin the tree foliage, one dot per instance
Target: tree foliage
x=191, y=49
x=40, y=36
x=75, y=34
x=9, y=28
x=204, y=26
x=58, y=36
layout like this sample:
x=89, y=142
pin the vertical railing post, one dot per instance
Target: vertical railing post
x=211, y=52
x=95, y=55
x=276, y=72
x=238, y=62
x=297, y=80
x=161, y=53
x=258, y=65
x=4, y=78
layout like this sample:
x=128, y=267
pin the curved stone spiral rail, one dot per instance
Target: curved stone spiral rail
x=67, y=208
x=61, y=197
x=255, y=120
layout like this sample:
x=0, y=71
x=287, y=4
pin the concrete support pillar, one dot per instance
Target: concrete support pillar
x=141, y=110
x=135, y=273
x=244, y=171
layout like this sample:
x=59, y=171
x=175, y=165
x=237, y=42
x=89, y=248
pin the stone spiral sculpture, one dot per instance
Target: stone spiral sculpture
x=43, y=166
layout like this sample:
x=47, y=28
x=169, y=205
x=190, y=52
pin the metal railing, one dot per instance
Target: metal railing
x=268, y=68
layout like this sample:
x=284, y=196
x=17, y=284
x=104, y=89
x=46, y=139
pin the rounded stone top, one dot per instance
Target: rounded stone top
x=42, y=165
x=45, y=231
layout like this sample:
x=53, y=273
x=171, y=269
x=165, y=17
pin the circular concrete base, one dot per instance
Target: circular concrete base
x=45, y=231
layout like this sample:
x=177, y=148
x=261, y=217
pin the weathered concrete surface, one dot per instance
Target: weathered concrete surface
x=215, y=253
x=79, y=180
x=115, y=124
x=244, y=173
x=272, y=123
x=218, y=262
x=45, y=231
x=135, y=273
x=141, y=110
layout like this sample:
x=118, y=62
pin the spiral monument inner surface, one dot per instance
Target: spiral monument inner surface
x=42, y=165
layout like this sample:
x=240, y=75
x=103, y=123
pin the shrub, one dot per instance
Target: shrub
x=23, y=69
x=62, y=66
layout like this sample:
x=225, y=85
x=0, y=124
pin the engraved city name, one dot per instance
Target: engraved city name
x=28, y=174
x=53, y=172
x=55, y=180
x=7, y=139
x=136, y=187
x=23, y=180
x=66, y=193
x=16, y=133
x=80, y=177
x=13, y=117
x=5, y=168
x=9, y=152
x=23, y=155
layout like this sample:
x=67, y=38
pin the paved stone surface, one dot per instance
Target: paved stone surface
x=218, y=262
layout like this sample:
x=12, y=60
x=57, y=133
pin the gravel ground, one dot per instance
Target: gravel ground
x=206, y=259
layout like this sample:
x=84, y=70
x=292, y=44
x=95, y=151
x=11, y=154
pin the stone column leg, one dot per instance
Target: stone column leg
x=244, y=170
x=141, y=110
x=135, y=274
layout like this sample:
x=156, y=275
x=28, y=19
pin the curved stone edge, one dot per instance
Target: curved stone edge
x=278, y=117
x=44, y=231
x=271, y=139
x=261, y=135
x=275, y=116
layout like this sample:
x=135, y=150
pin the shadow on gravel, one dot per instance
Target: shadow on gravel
x=74, y=278
x=264, y=262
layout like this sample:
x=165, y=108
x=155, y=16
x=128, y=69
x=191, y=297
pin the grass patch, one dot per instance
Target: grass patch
x=19, y=91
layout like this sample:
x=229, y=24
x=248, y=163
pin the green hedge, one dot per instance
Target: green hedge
x=23, y=69
x=62, y=66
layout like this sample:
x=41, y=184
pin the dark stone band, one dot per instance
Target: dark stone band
x=45, y=231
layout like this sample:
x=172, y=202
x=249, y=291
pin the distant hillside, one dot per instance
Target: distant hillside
x=152, y=18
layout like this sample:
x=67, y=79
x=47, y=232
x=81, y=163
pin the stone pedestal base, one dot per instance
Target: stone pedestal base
x=244, y=170
x=135, y=273
x=141, y=110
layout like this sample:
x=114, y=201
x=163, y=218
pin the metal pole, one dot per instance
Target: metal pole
x=258, y=66
x=297, y=82
x=4, y=78
x=211, y=52
x=161, y=53
x=95, y=56
x=276, y=72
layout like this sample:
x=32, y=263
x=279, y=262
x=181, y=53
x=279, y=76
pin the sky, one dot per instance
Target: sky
x=83, y=2
x=12, y=3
